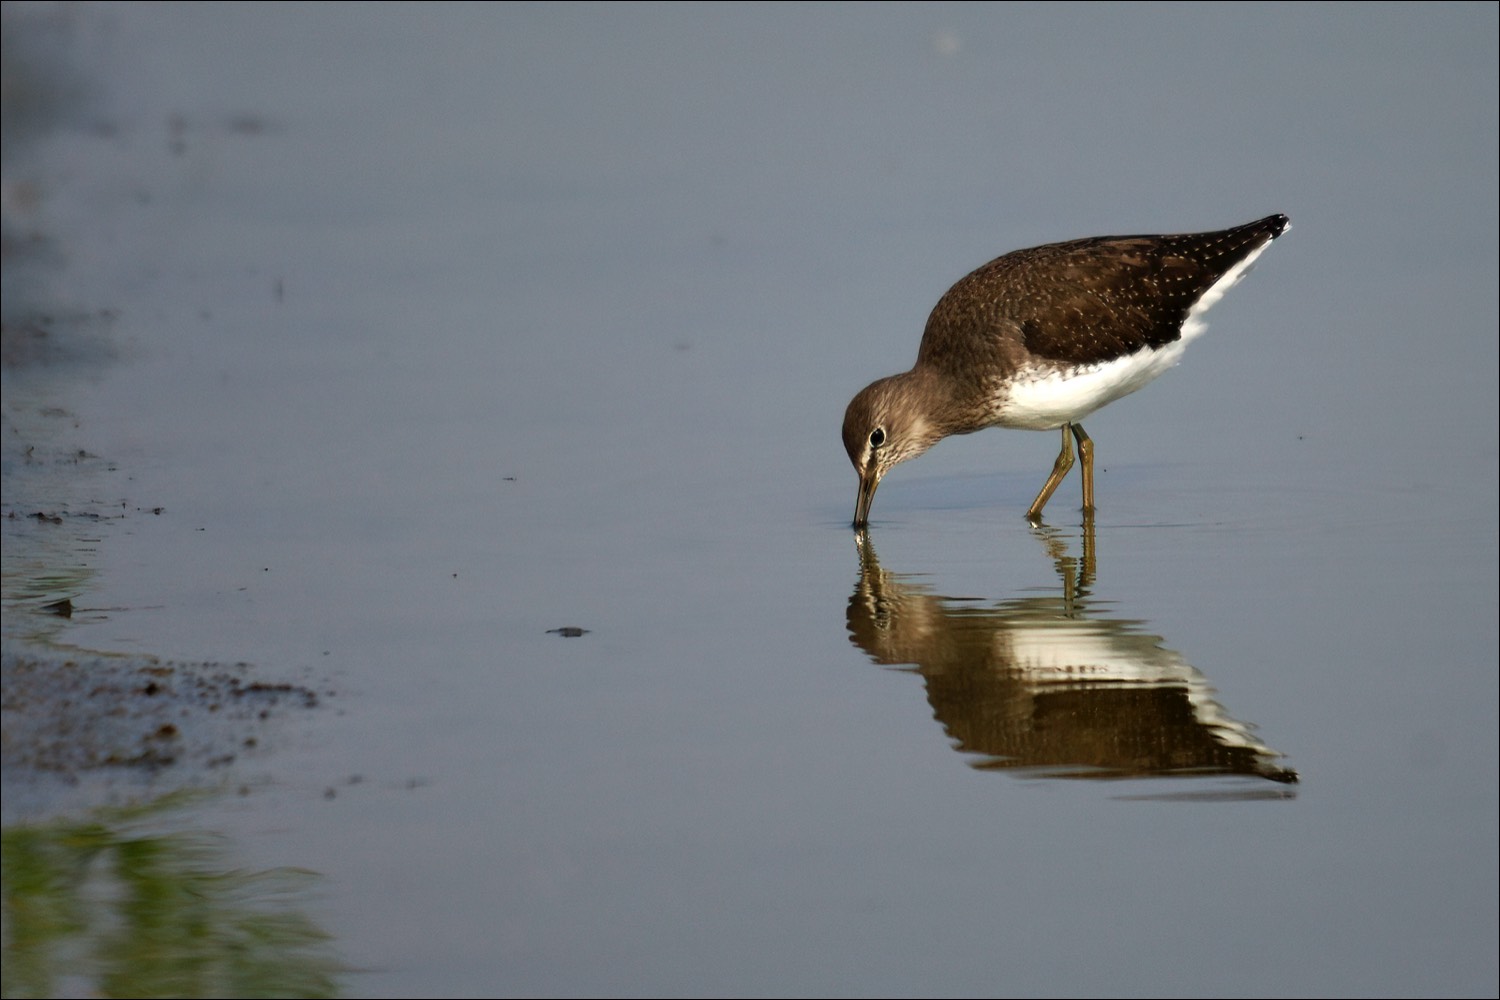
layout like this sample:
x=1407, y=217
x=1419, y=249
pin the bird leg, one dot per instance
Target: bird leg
x=1059, y=469
x=1086, y=453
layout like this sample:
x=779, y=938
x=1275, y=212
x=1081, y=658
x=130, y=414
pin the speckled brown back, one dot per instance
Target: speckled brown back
x=1084, y=301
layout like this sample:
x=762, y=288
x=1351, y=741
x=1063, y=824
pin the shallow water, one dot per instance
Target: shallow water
x=429, y=333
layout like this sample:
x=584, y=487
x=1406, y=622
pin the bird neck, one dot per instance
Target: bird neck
x=938, y=402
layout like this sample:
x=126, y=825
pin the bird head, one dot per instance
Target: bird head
x=884, y=425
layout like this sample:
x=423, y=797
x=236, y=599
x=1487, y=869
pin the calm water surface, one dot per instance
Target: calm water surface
x=393, y=339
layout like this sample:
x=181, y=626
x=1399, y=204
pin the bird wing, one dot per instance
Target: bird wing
x=1086, y=301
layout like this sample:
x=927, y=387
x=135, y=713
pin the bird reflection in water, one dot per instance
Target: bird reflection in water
x=1050, y=685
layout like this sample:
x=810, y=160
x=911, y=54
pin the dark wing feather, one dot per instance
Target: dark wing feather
x=1084, y=301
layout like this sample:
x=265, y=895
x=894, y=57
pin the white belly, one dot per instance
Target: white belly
x=1049, y=399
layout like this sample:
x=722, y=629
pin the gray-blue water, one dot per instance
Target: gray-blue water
x=431, y=329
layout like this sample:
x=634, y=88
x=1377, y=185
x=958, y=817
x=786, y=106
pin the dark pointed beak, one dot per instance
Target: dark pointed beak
x=867, y=483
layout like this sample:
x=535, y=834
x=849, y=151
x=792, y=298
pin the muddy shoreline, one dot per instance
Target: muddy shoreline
x=83, y=727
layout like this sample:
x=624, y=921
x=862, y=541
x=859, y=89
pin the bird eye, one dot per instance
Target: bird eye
x=877, y=437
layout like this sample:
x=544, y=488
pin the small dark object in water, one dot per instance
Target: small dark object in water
x=568, y=631
x=63, y=607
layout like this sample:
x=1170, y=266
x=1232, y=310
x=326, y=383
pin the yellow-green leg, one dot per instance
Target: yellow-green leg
x=1063, y=464
x=1059, y=469
x=1086, y=454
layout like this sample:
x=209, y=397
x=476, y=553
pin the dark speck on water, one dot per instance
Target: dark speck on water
x=568, y=631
